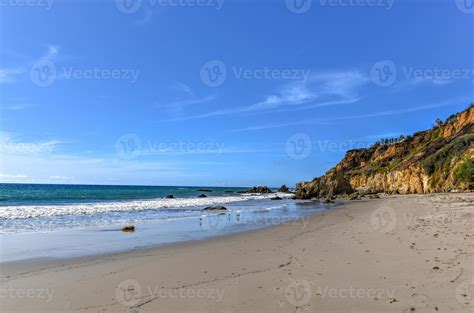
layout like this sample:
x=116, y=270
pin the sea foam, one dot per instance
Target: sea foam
x=34, y=211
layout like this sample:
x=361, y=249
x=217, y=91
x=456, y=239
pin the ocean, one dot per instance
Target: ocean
x=39, y=220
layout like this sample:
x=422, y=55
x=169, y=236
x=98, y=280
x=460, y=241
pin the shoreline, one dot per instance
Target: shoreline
x=136, y=251
x=30, y=264
x=197, y=225
x=284, y=268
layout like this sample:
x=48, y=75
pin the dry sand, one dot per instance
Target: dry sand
x=395, y=254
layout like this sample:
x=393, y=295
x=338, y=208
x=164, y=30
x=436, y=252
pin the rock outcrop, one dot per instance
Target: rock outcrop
x=128, y=229
x=436, y=160
x=258, y=189
x=215, y=208
x=283, y=189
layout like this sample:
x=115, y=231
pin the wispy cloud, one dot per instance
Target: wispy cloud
x=38, y=166
x=352, y=117
x=61, y=177
x=397, y=112
x=51, y=52
x=324, y=89
x=29, y=161
x=413, y=83
x=185, y=97
x=329, y=87
x=10, y=75
x=10, y=145
x=15, y=107
x=13, y=176
x=203, y=148
x=179, y=104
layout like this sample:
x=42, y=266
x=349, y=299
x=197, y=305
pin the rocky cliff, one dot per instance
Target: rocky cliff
x=436, y=160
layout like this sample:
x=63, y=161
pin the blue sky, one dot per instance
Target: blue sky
x=220, y=93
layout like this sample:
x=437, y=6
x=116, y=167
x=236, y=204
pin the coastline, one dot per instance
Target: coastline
x=390, y=254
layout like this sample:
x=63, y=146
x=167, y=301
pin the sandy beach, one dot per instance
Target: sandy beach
x=409, y=253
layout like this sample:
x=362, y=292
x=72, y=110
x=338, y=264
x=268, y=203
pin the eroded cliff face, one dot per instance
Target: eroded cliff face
x=436, y=160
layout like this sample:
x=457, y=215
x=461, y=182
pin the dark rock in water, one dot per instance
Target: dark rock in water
x=283, y=189
x=328, y=200
x=205, y=190
x=374, y=196
x=202, y=196
x=258, y=189
x=215, y=208
x=128, y=229
x=276, y=198
x=293, y=198
x=169, y=197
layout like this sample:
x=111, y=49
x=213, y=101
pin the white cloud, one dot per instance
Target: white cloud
x=179, y=104
x=9, y=145
x=13, y=176
x=14, y=107
x=324, y=89
x=35, y=164
x=9, y=75
x=62, y=177
x=334, y=87
x=355, y=117
x=50, y=53
x=413, y=83
x=185, y=97
x=39, y=168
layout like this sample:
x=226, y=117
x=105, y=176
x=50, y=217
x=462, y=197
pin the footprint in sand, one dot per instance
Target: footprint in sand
x=465, y=292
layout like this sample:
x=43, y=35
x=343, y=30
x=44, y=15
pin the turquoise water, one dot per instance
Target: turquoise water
x=24, y=194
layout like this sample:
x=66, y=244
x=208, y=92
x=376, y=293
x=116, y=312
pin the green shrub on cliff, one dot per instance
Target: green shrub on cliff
x=440, y=160
x=465, y=173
